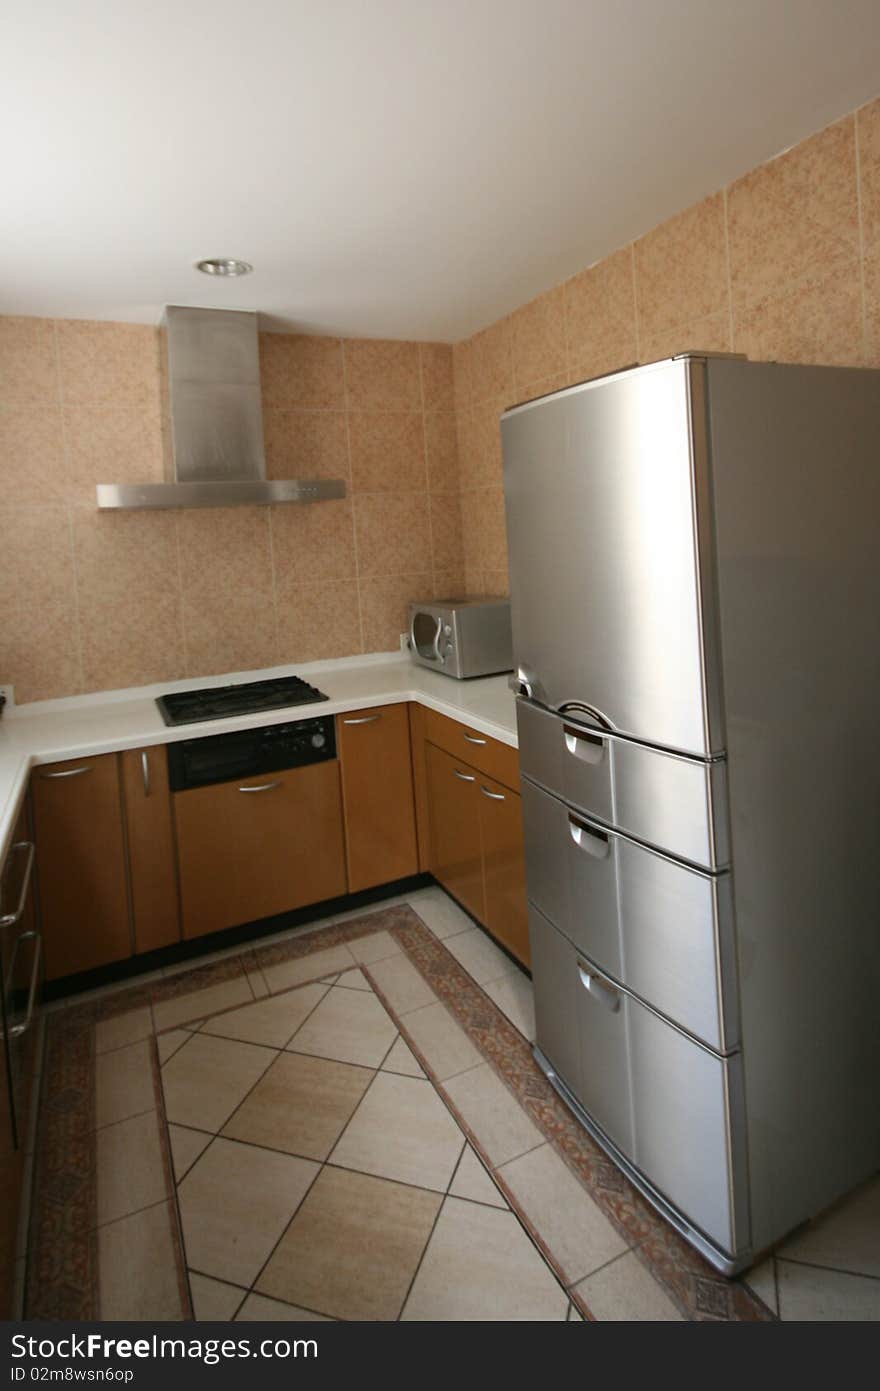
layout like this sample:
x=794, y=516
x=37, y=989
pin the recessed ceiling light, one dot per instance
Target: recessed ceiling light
x=221, y=265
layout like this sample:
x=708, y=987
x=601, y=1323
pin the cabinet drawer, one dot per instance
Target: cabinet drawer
x=662, y=929
x=488, y=755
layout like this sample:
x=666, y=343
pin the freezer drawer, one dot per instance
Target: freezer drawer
x=671, y=1106
x=661, y=928
x=678, y=804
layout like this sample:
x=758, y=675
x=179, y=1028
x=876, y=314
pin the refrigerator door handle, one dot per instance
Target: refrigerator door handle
x=595, y=843
x=580, y=707
x=601, y=990
x=523, y=682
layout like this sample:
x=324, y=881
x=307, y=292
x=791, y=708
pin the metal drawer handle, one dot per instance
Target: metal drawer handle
x=495, y=796
x=69, y=772
x=589, y=748
x=145, y=769
x=364, y=719
x=472, y=739
x=261, y=787
x=595, y=843
x=600, y=989
x=9, y=919
x=465, y=777
x=18, y=1029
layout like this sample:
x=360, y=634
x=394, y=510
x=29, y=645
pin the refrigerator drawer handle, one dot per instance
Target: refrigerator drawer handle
x=493, y=796
x=589, y=748
x=601, y=990
x=9, y=919
x=595, y=843
x=465, y=777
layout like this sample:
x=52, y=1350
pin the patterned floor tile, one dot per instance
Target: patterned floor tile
x=301, y=1105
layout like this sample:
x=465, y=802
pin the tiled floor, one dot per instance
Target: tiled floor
x=353, y=1147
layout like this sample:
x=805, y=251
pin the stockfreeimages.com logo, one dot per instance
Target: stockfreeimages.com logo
x=93, y=1346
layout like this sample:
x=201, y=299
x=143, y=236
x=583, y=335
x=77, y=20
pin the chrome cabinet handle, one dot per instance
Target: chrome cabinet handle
x=145, y=770
x=68, y=772
x=364, y=719
x=495, y=796
x=472, y=739
x=9, y=919
x=465, y=777
x=595, y=843
x=260, y=787
x=601, y=990
x=18, y=1029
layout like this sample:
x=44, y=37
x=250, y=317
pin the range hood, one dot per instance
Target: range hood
x=212, y=424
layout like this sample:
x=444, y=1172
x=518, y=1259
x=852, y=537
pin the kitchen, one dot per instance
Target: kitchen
x=417, y=987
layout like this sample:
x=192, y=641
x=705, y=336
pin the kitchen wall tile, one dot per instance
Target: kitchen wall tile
x=387, y=451
x=108, y=364
x=231, y=632
x=449, y=584
x=31, y=454
x=868, y=125
x=305, y=444
x=472, y=530
x=537, y=339
x=39, y=652
x=28, y=362
x=312, y=542
x=37, y=551
x=492, y=364
x=600, y=317
x=497, y=582
x=382, y=375
x=385, y=607
x=872, y=305
x=110, y=446
x=681, y=268
x=441, y=447
x=462, y=372
x=817, y=320
x=225, y=550
x=480, y=460
x=493, y=540
x=438, y=380
x=393, y=535
x=446, y=542
x=318, y=621
x=709, y=334
x=795, y=216
x=544, y=386
x=474, y=581
x=300, y=372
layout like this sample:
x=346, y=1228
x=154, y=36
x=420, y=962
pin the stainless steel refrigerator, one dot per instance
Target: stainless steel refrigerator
x=695, y=591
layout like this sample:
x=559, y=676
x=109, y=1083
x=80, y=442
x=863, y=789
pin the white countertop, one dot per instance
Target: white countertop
x=107, y=722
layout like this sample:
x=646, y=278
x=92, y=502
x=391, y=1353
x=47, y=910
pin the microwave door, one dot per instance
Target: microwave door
x=425, y=634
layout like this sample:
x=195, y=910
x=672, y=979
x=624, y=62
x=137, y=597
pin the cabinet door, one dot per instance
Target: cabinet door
x=456, y=856
x=504, y=866
x=250, y=849
x=83, y=894
x=377, y=791
x=151, y=857
x=418, y=749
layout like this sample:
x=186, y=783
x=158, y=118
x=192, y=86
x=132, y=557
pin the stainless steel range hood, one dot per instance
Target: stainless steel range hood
x=212, y=424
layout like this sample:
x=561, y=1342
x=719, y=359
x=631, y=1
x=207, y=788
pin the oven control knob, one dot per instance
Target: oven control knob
x=318, y=740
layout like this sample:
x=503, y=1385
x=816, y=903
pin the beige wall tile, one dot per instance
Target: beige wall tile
x=305, y=444
x=382, y=375
x=312, y=542
x=31, y=454
x=492, y=364
x=393, y=534
x=472, y=504
x=868, y=123
x=108, y=364
x=462, y=372
x=39, y=653
x=537, y=337
x=235, y=632
x=225, y=550
x=438, y=380
x=711, y=334
x=493, y=539
x=446, y=540
x=497, y=582
x=37, y=551
x=600, y=317
x=681, y=268
x=795, y=215
x=385, y=604
x=872, y=305
x=318, y=621
x=441, y=447
x=387, y=451
x=107, y=445
x=28, y=362
x=817, y=320
x=299, y=372
x=449, y=583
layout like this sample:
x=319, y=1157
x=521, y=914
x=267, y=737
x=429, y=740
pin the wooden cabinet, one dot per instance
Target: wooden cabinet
x=504, y=866
x=377, y=795
x=487, y=755
x=81, y=864
x=250, y=849
x=151, y=851
x=420, y=783
x=456, y=851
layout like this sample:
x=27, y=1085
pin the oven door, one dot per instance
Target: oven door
x=21, y=974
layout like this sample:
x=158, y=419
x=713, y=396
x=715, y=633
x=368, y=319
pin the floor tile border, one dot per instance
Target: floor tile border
x=62, y=1267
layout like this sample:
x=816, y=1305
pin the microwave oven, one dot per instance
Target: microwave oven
x=462, y=637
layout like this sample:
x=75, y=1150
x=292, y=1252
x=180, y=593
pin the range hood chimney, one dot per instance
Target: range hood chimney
x=212, y=424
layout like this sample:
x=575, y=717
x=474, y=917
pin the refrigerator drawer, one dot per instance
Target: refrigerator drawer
x=676, y=803
x=661, y=928
x=672, y=1107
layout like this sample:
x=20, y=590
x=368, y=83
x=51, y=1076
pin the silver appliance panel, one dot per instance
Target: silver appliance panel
x=603, y=485
x=676, y=803
x=462, y=638
x=662, y=929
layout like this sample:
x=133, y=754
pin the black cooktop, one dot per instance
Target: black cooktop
x=219, y=702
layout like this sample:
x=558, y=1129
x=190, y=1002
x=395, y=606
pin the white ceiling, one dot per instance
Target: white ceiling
x=393, y=168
